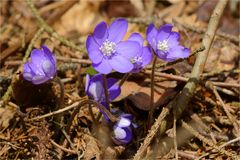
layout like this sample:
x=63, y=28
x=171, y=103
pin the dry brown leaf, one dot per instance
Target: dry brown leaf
x=221, y=59
x=92, y=150
x=6, y=114
x=140, y=95
x=82, y=17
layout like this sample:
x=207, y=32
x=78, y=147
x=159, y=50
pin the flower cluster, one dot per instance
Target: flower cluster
x=107, y=51
x=41, y=67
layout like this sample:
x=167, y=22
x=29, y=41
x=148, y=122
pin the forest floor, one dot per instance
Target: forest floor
x=205, y=125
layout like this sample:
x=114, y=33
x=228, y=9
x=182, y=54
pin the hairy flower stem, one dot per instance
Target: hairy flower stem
x=106, y=95
x=150, y=113
x=125, y=77
x=106, y=89
x=92, y=115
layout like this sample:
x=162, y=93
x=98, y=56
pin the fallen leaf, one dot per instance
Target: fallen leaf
x=140, y=95
x=6, y=115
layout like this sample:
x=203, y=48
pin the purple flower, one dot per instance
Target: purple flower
x=41, y=67
x=107, y=51
x=94, y=88
x=143, y=57
x=122, y=131
x=165, y=43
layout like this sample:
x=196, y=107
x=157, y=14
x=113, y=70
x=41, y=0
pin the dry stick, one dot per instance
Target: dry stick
x=229, y=115
x=48, y=29
x=73, y=60
x=154, y=129
x=184, y=79
x=7, y=94
x=150, y=113
x=229, y=142
x=62, y=148
x=69, y=140
x=208, y=141
x=175, y=133
x=184, y=97
x=74, y=105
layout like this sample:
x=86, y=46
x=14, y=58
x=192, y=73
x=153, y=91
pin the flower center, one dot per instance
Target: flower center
x=137, y=59
x=108, y=48
x=162, y=45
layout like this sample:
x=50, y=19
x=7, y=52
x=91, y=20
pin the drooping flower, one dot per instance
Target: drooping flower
x=94, y=89
x=42, y=66
x=165, y=43
x=143, y=57
x=122, y=130
x=106, y=49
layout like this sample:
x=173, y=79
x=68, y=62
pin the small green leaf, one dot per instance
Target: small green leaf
x=91, y=71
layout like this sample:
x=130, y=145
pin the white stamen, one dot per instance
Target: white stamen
x=162, y=45
x=137, y=59
x=108, y=48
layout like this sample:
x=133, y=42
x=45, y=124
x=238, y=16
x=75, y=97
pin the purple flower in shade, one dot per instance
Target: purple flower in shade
x=107, y=51
x=165, y=43
x=94, y=89
x=122, y=130
x=41, y=67
x=143, y=57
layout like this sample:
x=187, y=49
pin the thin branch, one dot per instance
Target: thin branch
x=63, y=148
x=230, y=142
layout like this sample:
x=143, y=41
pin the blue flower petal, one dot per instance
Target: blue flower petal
x=151, y=36
x=94, y=52
x=103, y=67
x=120, y=64
x=128, y=49
x=146, y=56
x=117, y=30
x=137, y=38
x=100, y=33
x=164, y=32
